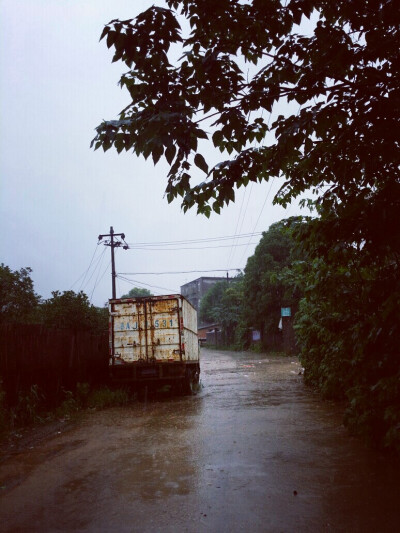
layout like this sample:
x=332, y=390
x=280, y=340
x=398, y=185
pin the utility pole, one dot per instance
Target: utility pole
x=113, y=244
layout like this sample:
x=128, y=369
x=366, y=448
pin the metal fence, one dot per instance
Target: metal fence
x=53, y=360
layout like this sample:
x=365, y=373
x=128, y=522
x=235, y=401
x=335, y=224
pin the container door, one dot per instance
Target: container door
x=129, y=334
x=164, y=334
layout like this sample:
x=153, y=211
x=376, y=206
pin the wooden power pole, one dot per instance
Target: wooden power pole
x=113, y=244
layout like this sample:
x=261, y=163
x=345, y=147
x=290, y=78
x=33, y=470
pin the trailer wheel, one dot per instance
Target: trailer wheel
x=187, y=386
x=196, y=376
x=191, y=381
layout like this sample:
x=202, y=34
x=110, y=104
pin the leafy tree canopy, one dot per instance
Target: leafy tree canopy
x=221, y=301
x=347, y=331
x=340, y=71
x=137, y=291
x=18, y=299
x=222, y=304
x=73, y=310
x=267, y=285
x=210, y=304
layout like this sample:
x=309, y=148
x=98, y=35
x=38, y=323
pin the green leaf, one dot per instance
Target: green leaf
x=104, y=32
x=308, y=145
x=200, y=162
x=112, y=35
x=170, y=153
x=201, y=134
x=157, y=152
x=217, y=138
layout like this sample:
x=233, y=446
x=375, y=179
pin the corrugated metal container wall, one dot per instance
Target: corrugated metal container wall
x=154, y=329
x=190, y=331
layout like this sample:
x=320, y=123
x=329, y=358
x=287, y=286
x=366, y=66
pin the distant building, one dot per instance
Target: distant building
x=210, y=334
x=195, y=290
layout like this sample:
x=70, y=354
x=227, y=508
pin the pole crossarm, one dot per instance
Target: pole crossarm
x=113, y=244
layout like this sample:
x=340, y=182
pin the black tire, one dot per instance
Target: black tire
x=187, y=386
x=191, y=381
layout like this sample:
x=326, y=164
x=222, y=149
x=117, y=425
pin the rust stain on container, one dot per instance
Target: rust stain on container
x=162, y=328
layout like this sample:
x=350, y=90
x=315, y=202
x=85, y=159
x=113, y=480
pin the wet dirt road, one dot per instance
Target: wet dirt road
x=253, y=451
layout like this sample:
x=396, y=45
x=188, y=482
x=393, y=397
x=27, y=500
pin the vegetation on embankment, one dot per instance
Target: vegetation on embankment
x=32, y=408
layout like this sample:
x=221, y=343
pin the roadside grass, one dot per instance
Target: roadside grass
x=222, y=348
x=256, y=348
x=31, y=410
x=105, y=397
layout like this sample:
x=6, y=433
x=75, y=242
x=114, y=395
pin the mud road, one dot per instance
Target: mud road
x=253, y=451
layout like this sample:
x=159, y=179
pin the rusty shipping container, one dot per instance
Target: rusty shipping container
x=154, y=340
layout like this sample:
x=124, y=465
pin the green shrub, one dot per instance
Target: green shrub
x=69, y=406
x=105, y=397
x=347, y=331
x=82, y=394
x=28, y=407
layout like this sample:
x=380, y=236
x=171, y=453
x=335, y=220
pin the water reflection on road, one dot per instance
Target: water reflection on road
x=254, y=450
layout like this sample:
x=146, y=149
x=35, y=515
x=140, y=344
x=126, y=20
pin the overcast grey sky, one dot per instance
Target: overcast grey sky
x=57, y=195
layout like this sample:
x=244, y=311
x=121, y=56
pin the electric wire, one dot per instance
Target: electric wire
x=95, y=266
x=259, y=216
x=178, y=272
x=188, y=248
x=249, y=196
x=91, y=261
x=247, y=205
x=193, y=241
x=118, y=285
x=265, y=201
x=136, y=282
x=80, y=277
x=99, y=279
x=98, y=271
x=245, y=211
x=236, y=230
x=98, y=262
x=84, y=274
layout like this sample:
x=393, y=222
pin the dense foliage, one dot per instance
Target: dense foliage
x=137, y=292
x=73, y=310
x=254, y=300
x=341, y=71
x=20, y=304
x=266, y=289
x=223, y=305
x=348, y=331
x=18, y=299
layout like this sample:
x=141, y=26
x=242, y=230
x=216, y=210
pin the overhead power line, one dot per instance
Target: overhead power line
x=135, y=282
x=236, y=229
x=90, y=264
x=245, y=210
x=195, y=241
x=178, y=272
x=99, y=279
x=259, y=216
x=187, y=247
x=96, y=266
x=85, y=273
